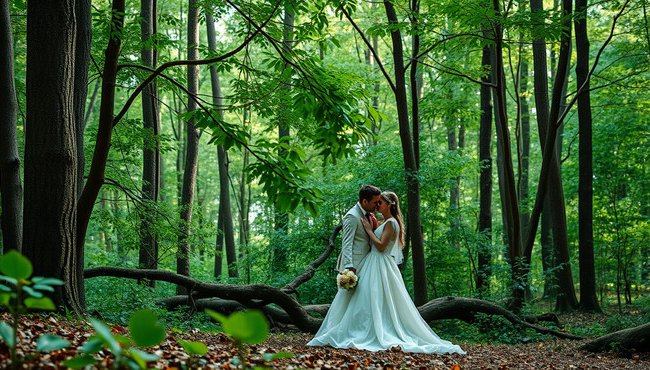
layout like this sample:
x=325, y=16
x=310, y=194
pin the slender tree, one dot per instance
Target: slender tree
x=588, y=299
x=11, y=190
x=192, y=143
x=148, y=257
x=225, y=229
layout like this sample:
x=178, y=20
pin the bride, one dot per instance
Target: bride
x=379, y=313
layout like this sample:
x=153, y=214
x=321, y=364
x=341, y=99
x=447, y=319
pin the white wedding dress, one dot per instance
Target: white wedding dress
x=379, y=314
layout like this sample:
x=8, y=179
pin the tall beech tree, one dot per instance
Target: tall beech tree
x=192, y=142
x=225, y=230
x=11, y=190
x=148, y=256
x=51, y=149
x=588, y=299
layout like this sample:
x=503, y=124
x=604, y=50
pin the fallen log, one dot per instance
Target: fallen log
x=636, y=339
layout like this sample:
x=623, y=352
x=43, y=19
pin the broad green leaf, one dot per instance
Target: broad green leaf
x=5, y=298
x=79, y=361
x=7, y=334
x=194, y=348
x=15, y=265
x=145, y=329
x=92, y=345
x=43, y=303
x=104, y=333
x=49, y=342
x=248, y=327
x=32, y=292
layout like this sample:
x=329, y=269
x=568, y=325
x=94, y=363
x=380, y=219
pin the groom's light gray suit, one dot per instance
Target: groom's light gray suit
x=356, y=243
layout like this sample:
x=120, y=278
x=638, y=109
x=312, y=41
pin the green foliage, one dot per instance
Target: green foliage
x=19, y=294
x=145, y=331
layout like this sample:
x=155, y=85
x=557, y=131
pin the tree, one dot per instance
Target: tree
x=51, y=149
x=225, y=230
x=588, y=299
x=11, y=190
x=148, y=257
x=192, y=142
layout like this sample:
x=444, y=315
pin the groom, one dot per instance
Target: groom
x=355, y=240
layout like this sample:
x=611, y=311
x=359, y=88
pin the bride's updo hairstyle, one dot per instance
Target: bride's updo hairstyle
x=393, y=201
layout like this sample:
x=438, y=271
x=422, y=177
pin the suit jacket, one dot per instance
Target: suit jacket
x=356, y=243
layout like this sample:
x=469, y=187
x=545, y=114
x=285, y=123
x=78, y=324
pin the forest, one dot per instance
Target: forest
x=179, y=171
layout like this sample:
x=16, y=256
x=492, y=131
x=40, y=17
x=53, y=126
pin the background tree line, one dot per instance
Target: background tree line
x=225, y=141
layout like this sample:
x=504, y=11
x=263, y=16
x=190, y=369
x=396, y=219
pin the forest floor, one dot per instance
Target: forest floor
x=549, y=354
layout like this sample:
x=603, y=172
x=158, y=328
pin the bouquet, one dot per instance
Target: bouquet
x=347, y=279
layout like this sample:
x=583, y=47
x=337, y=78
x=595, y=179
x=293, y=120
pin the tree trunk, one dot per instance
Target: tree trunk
x=511, y=204
x=192, y=144
x=410, y=164
x=225, y=212
x=51, y=150
x=588, y=299
x=11, y=190
x=104, y=133
x=625, y=341
x=148, y=257
x=485, y=199
x=82, y=59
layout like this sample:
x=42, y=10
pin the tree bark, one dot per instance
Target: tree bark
x=588, y=299
x=82, y=59
x=11, y=190
x=148, y=257
x=410, y=164
x=226, y=230
x=192, y=144
x=625, y=341
x=51, y=149
x=485, y=183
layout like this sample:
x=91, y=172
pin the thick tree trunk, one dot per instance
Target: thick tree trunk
x=11, y=190
x=225, y=230
x=148, y=257
x=192, y=144
x=485, y=183
x=588, y=299
x=51, y=149
x=410, y=164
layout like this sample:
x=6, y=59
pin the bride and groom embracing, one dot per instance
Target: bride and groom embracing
x=378, y=313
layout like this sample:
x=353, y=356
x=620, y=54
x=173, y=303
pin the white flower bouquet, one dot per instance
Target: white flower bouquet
x=347, y=279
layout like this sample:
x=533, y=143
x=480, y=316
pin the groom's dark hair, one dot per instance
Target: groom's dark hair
x=368, y=191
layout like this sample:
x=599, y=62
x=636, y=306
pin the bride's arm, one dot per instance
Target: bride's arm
x=386, y=235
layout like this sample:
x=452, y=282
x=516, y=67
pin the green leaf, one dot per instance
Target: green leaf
x=9, y=280
x=39, y=280
x=194, y=348
x=43, y=303
x=277, y=356
x=32, y=292
x=79, y=361
x=5, y=298
x=248, y=327
x=49, y=342
x=92, y=345
x=7, y=334
x=216, y=316
x=104, y=333
x=15, y=265
x=142, y=357
x=145, y=328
